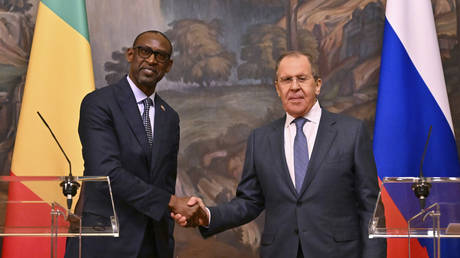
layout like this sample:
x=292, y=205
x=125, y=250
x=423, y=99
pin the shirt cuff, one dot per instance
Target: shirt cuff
x=209, y=218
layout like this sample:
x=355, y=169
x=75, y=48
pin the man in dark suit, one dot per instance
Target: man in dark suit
x=132, y=135
x=312, y=171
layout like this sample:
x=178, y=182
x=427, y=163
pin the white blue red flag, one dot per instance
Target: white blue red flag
x=412, y=97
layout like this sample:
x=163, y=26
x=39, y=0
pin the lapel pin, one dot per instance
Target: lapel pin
x=162, y=107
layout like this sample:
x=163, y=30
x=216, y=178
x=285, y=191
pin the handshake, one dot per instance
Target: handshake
x=188, y=211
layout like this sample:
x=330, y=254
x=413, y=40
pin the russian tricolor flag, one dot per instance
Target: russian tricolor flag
x=412, y=96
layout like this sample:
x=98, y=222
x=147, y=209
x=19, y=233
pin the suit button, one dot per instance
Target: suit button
x=298, y=203
x=296, y=231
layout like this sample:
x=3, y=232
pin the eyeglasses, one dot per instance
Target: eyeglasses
x=146, y=52
x=300, y=79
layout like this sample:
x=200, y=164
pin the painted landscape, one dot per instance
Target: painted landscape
x=222, y=78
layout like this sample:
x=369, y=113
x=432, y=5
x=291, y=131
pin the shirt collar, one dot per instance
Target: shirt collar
x=138, y=94
x=314, y=115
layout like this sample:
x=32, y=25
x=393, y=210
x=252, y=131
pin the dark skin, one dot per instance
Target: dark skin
x=146, y=73
x=194, y=214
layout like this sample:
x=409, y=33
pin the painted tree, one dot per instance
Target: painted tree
x=457, y=11
x=291, y=7
x=263, y=44
x=306, y=42
x=16, y=32
x=117, y=68
x=201, y=57
x=260, y=47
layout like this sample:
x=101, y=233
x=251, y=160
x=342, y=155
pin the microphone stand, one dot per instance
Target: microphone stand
x=422, y=190
x=422, y=187
x=69, y=185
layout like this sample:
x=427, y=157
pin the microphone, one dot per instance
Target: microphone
x=69, y=185
x=422, y=188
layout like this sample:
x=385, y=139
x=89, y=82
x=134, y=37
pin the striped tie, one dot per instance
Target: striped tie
x=300, y=153
x=146, y=119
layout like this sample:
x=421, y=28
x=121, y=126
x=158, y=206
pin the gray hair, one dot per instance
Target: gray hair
x=314, y=66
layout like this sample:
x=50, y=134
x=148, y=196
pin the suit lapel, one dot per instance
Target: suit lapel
x=324, y=138
x=276, y=140
x=160, y=128
x=128, y=106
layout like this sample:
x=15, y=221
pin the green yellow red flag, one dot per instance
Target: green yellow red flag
x=59, y=75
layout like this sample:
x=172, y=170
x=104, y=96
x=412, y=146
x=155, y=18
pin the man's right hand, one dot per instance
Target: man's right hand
x=200, y=216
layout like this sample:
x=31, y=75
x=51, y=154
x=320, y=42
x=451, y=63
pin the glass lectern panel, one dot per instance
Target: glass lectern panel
x=440, y=216
x=36, y=206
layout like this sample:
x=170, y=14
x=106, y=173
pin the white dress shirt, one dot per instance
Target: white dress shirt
x=140, y=96
x=310, y=129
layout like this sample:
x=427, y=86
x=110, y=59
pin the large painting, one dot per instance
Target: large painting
x=221, y=82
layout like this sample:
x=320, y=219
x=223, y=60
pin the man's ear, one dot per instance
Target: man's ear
x=277, y=89
x=129, y=55
x=170, y=63
x=319, y=83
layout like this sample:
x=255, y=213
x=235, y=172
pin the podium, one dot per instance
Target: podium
x=37, y=207
x=440, y=218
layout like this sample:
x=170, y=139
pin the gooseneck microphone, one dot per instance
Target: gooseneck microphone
x=422, y=188
x=69, y=185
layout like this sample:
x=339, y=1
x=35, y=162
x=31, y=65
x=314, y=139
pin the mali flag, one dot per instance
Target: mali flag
x=59, y=75
x=412, y=97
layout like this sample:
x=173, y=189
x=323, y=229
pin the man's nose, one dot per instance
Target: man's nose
x=295, y=85
x=151, y=59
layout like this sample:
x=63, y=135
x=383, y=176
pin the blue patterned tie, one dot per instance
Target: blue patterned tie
x=146, y=119
x=300, y=153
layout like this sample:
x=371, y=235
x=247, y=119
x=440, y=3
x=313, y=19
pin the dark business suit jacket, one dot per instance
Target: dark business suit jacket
x=330, y=216
x=115, y=145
